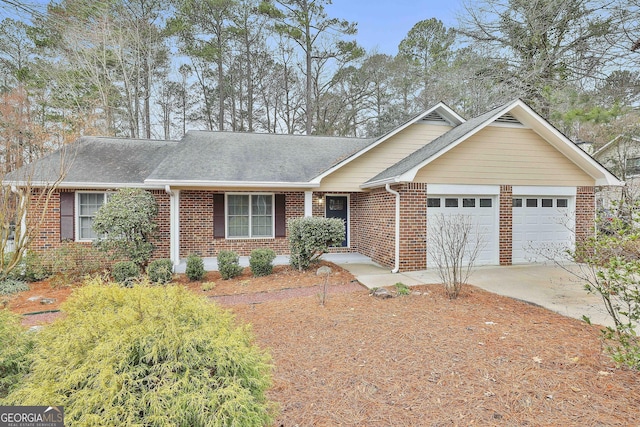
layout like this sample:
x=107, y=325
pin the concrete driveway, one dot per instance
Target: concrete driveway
x=546, y=285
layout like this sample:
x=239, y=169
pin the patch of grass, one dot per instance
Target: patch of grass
x=402, y=289
x=207, y=286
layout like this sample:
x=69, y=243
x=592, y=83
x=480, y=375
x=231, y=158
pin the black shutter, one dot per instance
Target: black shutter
x=218, y=216
x=281, y=216
x=67, y=203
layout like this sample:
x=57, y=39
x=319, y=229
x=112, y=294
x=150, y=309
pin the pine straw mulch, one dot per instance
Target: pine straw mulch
x=425, y=360
x=420, y=359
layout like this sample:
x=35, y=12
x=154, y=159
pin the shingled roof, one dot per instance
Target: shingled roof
x=205, y=158
x=435, y=146
x=98, y=161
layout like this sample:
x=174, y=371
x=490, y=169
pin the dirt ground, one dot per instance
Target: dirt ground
x=421, y=359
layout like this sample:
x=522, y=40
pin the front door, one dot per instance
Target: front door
x=337, y=207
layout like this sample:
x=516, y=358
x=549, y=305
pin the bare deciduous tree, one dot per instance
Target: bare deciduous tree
x=453, y=244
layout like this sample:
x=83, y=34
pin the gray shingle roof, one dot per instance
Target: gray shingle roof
x=100, y=160
x=252, y=157
x=435, y=146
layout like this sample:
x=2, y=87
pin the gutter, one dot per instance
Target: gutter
x=396, y=267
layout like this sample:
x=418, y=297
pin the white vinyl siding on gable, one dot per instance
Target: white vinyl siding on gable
x=87, y=205
x=250, y=216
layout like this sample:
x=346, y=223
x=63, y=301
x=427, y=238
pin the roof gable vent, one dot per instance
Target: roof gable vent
x=509, y=119
x=434, y=116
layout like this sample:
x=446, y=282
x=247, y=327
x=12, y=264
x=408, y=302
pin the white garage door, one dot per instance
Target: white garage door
x=542, y=228
x=483, y=214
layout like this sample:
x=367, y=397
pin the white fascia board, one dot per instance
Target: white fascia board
x=92, y=185
x=379, y=183
x=606, y=146
x=610, y=143
x=444, y=109
x=230, y=184
x=410, y=175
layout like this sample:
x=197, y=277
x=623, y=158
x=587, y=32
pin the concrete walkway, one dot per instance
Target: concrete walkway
x=546, y=285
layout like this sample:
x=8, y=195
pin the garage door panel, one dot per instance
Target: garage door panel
x=482, y=211
x=542, y=228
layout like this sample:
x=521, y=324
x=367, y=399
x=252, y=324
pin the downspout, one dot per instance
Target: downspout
x=396, y=268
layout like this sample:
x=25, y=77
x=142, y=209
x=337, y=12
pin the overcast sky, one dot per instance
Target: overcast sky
x=383, y=24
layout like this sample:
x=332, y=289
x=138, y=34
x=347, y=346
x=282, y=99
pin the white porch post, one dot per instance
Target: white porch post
x=174, y=225
x=308, y=203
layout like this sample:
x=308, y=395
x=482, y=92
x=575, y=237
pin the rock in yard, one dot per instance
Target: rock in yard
x=323, y=271
x=382, y=293
x=47, y=301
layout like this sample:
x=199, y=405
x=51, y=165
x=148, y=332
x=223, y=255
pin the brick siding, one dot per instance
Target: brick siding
x=372, y=224
x=585, y=213
x=197, y=233
x=506, y=225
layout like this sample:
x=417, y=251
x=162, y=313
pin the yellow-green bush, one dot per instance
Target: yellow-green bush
x=154, y=356
x=15, y=345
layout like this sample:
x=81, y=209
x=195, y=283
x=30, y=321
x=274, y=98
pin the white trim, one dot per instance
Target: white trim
x=456, y=189
x=250, y=195
x=543, y=128
x=229, y=184
x=531, y=190
x=442, y=108
x=308, y=203
x=396, y=265
x=76, y=215
x=348, y=196
x=174, y=225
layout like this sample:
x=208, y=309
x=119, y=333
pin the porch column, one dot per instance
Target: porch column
x=308, y=203
x=174, y=225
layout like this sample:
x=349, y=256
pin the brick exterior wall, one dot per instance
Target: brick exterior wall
x=372, y=224
x=197, y=233
x=413, y=226
x=45, y=230
x=506, y=225
x=585, y=213
x=46, y=233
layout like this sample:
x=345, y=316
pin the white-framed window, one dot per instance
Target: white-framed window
x=633, y=166
x=250, y=216
x=87, y=205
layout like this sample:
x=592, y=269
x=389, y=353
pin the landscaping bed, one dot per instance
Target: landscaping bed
x=419, y=359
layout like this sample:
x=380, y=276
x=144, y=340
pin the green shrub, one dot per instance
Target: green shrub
x=124, y=272
x=148, y=355
x=72, y=262
x=32, y=268
x=310, y=237
x=160, y=271
x=12, y=286
x=261, y=261
x=195, y=267
x=229, y=264
x=127, y=222
x=15, y=346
